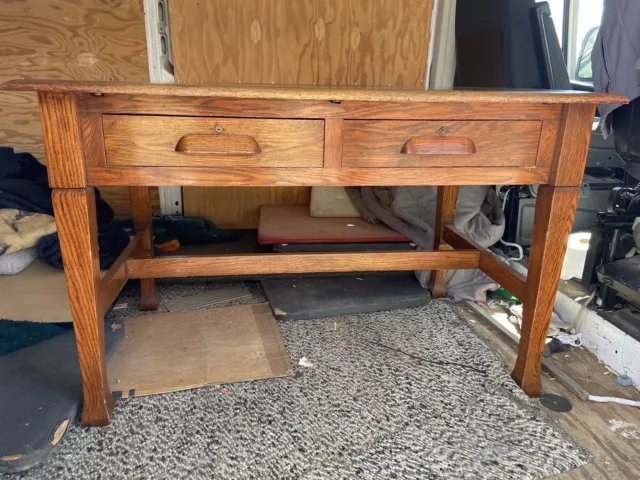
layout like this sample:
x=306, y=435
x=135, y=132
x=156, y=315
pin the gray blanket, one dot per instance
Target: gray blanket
x=411, y=211
x=616, y=54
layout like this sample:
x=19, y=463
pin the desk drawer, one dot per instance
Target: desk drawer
x=390, y=143
x=163, y=141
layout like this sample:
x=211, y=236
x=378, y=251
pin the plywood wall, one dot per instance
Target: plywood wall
x=66, y=39
x=239, y=207
x=328, y=42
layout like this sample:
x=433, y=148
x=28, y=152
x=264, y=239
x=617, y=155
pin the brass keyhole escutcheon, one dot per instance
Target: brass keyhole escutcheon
x=442, y=131
x=218, y=128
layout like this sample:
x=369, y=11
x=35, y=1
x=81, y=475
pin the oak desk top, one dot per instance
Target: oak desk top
x=279, y=92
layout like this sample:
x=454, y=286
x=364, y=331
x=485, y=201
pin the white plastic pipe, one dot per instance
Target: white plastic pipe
x=623, y=401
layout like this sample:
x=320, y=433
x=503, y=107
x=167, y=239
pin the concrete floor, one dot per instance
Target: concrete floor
x=611, y=432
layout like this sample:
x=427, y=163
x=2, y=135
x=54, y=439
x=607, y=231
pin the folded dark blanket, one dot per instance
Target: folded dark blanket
x=24, y=186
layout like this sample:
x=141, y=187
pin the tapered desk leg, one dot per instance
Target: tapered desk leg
x=445, y=213
x=141, y=211
x=555, y=210
x=75, y=214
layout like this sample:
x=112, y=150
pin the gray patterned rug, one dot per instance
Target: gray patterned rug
x=406, y=394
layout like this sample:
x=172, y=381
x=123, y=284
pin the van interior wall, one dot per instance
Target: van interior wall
x=72, y=40
x=306, y=42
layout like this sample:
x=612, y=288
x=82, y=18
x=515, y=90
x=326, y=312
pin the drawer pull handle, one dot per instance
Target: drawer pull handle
x=439, y=146
x=230, y=145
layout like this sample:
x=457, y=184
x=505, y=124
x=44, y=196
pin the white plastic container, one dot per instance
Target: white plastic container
x=576, y=255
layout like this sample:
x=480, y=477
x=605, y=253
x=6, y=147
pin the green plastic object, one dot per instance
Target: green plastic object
x=506, y=295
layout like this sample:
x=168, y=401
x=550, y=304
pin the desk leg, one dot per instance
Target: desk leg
x=555, y=210
x=141, y=211
x=75, y=213
x=445, y=213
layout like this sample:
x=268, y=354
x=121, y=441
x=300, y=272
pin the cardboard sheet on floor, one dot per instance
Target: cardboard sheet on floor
x=168, y=352
x=294, y=224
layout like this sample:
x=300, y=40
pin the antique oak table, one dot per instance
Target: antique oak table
x=138, y=135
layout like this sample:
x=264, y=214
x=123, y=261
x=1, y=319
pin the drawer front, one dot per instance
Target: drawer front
x=391, y=143
x=158, y=141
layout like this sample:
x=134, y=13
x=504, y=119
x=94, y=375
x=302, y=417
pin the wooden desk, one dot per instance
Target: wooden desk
x=138, y=135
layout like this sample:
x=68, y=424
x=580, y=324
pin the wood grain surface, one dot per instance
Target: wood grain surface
x=501, y=272
x=93, y=139
x=88, y=40
x=446, y=201
x=75, y=214
x=309, y=92
x=548, y=142
x=554, y=214
x=64, y=39
x=333, y=142
x=62, y=140
x=277, y=108
x=132, y=140
x=380, y=143
x=295, y=94
x=20, y=123
x=239, y=207
x=203, y=144
x=280, y=177
x=142, y=224
x=282, y=224
x=118, y=198
x=279, y=263
x=572, y=145
x=324, y=42
x=116, y=277
x=94, y=154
